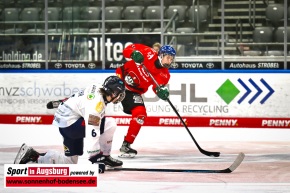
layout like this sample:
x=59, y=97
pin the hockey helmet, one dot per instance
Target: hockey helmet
x=166, y=50
x=114, y=87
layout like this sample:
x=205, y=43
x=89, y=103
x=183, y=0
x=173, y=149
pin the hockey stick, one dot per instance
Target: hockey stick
x=50, y=50
x=73, y=48
x=61, y=45
x=68, y=47
x=58, y=49
x=230, y=169
x=208, y=153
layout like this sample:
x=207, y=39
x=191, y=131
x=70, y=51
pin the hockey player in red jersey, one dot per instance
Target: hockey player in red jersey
x=137, y=82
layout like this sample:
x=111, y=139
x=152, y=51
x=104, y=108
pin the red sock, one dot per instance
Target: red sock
x=138, y=117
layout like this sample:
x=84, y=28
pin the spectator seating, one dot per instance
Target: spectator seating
x=30, y=15
x=180, y=9
x=53, y=15
x=153, y=13
x=158, y=29
x=119, y=30
x=70, y=14
x=279, y=34
x=278, y=50
x=263, y=34
x=198, y=14
x=89, y=14
x=275, y=14
x=141, y=30
x=11, y=15
x=113, y=13
x=133, y=13
x=187, y=39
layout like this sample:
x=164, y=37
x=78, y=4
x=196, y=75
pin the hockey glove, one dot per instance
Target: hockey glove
x=162, y=92
x=137, y=57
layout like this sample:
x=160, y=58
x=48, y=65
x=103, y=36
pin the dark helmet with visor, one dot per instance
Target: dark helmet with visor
x=114, y=87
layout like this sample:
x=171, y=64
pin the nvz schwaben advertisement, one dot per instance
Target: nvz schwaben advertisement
x=51, y=175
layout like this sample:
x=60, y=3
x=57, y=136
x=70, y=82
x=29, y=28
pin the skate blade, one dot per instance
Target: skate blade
x=126, y=155
x=107, y=167
x=20, y=153
x=103, y=168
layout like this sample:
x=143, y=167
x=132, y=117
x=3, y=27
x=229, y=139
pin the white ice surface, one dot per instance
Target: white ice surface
x=42, y=135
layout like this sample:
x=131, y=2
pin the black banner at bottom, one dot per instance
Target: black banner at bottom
x=97, y=65
x=75, y=65
x=31, y=65
x=257, y=65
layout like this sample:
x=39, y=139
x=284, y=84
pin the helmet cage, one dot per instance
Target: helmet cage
x=118, y=98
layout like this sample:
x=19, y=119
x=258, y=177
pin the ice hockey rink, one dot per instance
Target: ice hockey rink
x=265, y=169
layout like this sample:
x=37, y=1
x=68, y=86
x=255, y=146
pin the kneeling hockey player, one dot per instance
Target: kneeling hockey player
x=84, y=127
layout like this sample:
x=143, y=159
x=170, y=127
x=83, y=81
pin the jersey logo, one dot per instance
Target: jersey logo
x=90, y=96
x=99, y=107
x=140, y=119
x=94, y=120
x=138, y=99
x=132, y=79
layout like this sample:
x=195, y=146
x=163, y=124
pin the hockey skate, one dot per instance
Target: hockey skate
x=126, y=151
x=111, y=162
x=107, y=162
x=106, y=159
x=26, y=154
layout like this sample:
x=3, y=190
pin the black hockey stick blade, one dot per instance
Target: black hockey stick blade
x=230, y=169
x=209, y=153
